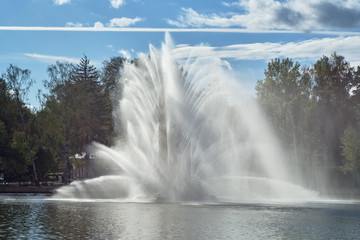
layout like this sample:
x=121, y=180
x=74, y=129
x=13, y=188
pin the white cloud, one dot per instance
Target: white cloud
x=61, y=2
x=98, y=25
x=272, y=14
x=72, y=24
x=308, y=50
x=117, y=23
x=123, y=21
x=117, y=3
x=125, y=53
x=51, y=59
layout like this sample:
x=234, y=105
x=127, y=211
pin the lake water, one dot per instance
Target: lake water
x=37, y=217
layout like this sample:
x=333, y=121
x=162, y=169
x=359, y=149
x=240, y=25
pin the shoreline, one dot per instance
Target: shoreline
x=336, y=193
x=28, y=189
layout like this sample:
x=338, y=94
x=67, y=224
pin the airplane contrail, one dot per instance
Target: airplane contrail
x=129, y=29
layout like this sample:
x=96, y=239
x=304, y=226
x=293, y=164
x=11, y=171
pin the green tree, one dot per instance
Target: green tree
x=93, y=118
x=314, y=111
x=56, y=117
x=285, y=95
x=111, y=73
x=4, y=119
x=45, y=162
x=333, y=78
x=19, y=158
x=4, y=139
x=113, y=89
x=18, y=84
x=77, y=107
x=350, y=143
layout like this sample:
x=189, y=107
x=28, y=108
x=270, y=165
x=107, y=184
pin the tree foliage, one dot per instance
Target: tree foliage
x=18, y=83
x=333, y=78
x=314, y=111
x=79, y=108
x=350, y=142
x=76, y=110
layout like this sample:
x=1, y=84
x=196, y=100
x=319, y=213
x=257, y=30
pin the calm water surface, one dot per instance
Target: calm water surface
x=36, y=217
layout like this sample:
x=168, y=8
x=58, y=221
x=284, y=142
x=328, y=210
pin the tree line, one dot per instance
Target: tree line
x=314, y=110
x=75, y=111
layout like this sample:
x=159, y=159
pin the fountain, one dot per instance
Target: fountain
x=189, y=133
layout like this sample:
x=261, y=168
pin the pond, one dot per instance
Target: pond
x=38, y=217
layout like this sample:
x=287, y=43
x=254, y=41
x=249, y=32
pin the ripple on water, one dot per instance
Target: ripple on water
x=38, y=218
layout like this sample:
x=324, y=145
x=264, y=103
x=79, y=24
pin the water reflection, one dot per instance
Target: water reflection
x=35, y=217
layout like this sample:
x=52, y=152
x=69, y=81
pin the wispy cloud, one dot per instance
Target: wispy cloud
x=308, y=50
x=117, y=3
x=51, y=59
x=272, y=14
x=72, y=24
x=61, y=2
x=111, y=47
x=190, y=18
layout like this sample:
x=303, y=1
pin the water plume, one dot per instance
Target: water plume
x=190, y=133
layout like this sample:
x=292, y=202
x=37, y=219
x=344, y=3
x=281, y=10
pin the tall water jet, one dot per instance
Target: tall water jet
x=191, y=134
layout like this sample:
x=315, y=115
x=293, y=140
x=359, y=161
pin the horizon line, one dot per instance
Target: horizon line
x=145, y=29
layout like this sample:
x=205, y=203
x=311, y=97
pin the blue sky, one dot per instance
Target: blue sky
x=244, y=33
